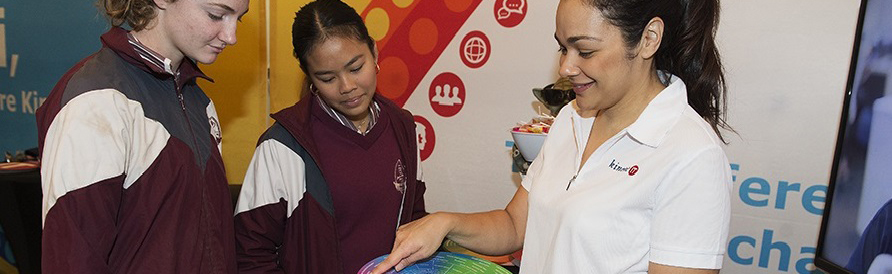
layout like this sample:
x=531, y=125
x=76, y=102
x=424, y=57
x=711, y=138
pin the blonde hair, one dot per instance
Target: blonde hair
x=136, y=13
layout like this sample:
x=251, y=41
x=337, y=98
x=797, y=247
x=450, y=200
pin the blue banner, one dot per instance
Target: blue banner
x=39, y=41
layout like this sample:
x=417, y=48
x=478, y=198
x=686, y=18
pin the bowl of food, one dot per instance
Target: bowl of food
x=529, y=137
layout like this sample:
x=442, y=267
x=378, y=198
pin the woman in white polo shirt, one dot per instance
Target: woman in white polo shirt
x=633, y=177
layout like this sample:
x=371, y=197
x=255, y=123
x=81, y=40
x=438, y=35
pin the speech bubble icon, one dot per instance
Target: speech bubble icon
x=511, y=7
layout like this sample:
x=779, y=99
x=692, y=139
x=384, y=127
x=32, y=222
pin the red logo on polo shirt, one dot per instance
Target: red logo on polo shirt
x=614, y=165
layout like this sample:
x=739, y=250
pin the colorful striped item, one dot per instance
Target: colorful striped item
x=443, y=263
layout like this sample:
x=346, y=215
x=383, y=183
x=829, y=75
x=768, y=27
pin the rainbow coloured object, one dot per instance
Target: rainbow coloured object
x=443, y=263
x=452, y=246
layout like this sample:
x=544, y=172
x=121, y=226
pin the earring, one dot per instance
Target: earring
x=377, y=68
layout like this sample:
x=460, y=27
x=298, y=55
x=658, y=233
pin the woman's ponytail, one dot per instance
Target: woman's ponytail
x=694, y=58
x=688, y=48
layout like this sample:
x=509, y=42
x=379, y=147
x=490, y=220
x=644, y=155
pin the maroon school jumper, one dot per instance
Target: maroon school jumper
x=348, y=212
x=133, y=181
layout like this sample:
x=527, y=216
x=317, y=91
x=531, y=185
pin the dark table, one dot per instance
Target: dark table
x=20, y=213
x=20, y=203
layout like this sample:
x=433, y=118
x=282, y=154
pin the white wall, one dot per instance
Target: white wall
x=786, y=66
x=787, y=63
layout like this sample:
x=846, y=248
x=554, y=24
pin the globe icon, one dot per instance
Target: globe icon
x=475, y=50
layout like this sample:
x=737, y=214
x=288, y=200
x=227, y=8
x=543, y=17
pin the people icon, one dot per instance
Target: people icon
x=447, y=95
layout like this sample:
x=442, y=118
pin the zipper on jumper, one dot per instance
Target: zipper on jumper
x=204, y=211
x=182, y=102
x=185, y=113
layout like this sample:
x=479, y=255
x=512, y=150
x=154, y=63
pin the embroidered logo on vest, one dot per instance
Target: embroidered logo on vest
x=399, y=176
x=215, y=129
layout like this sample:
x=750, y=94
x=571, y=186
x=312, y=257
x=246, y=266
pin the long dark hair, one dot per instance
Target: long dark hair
x=323, y=19
x=688, y=48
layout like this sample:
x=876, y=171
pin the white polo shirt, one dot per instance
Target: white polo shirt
x=658, y=191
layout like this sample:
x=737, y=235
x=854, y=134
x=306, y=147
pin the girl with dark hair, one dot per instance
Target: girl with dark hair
x=632, y=177
x=339, y=171
x=132, y=173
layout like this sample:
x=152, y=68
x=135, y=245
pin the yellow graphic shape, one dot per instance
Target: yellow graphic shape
x=378, y=23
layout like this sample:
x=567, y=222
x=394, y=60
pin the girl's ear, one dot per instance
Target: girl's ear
x=375, y=51
x=161, y=4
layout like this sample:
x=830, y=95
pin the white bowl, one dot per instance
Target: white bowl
x=529, y=144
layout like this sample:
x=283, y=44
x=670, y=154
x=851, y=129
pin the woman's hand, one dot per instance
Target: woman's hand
x=416, y=240
x=493, y=232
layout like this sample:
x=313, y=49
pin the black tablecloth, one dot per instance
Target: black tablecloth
x=20, y=202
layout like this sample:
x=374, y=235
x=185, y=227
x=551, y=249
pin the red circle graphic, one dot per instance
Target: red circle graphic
x=509, y=13
x=447, y=94
x=424, y=136
x=475, y=49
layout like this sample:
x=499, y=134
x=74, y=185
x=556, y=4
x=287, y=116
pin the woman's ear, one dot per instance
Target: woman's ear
x=651, y=38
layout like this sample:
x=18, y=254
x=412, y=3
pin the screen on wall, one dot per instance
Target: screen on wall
x=35, y=51
x=856, y=231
